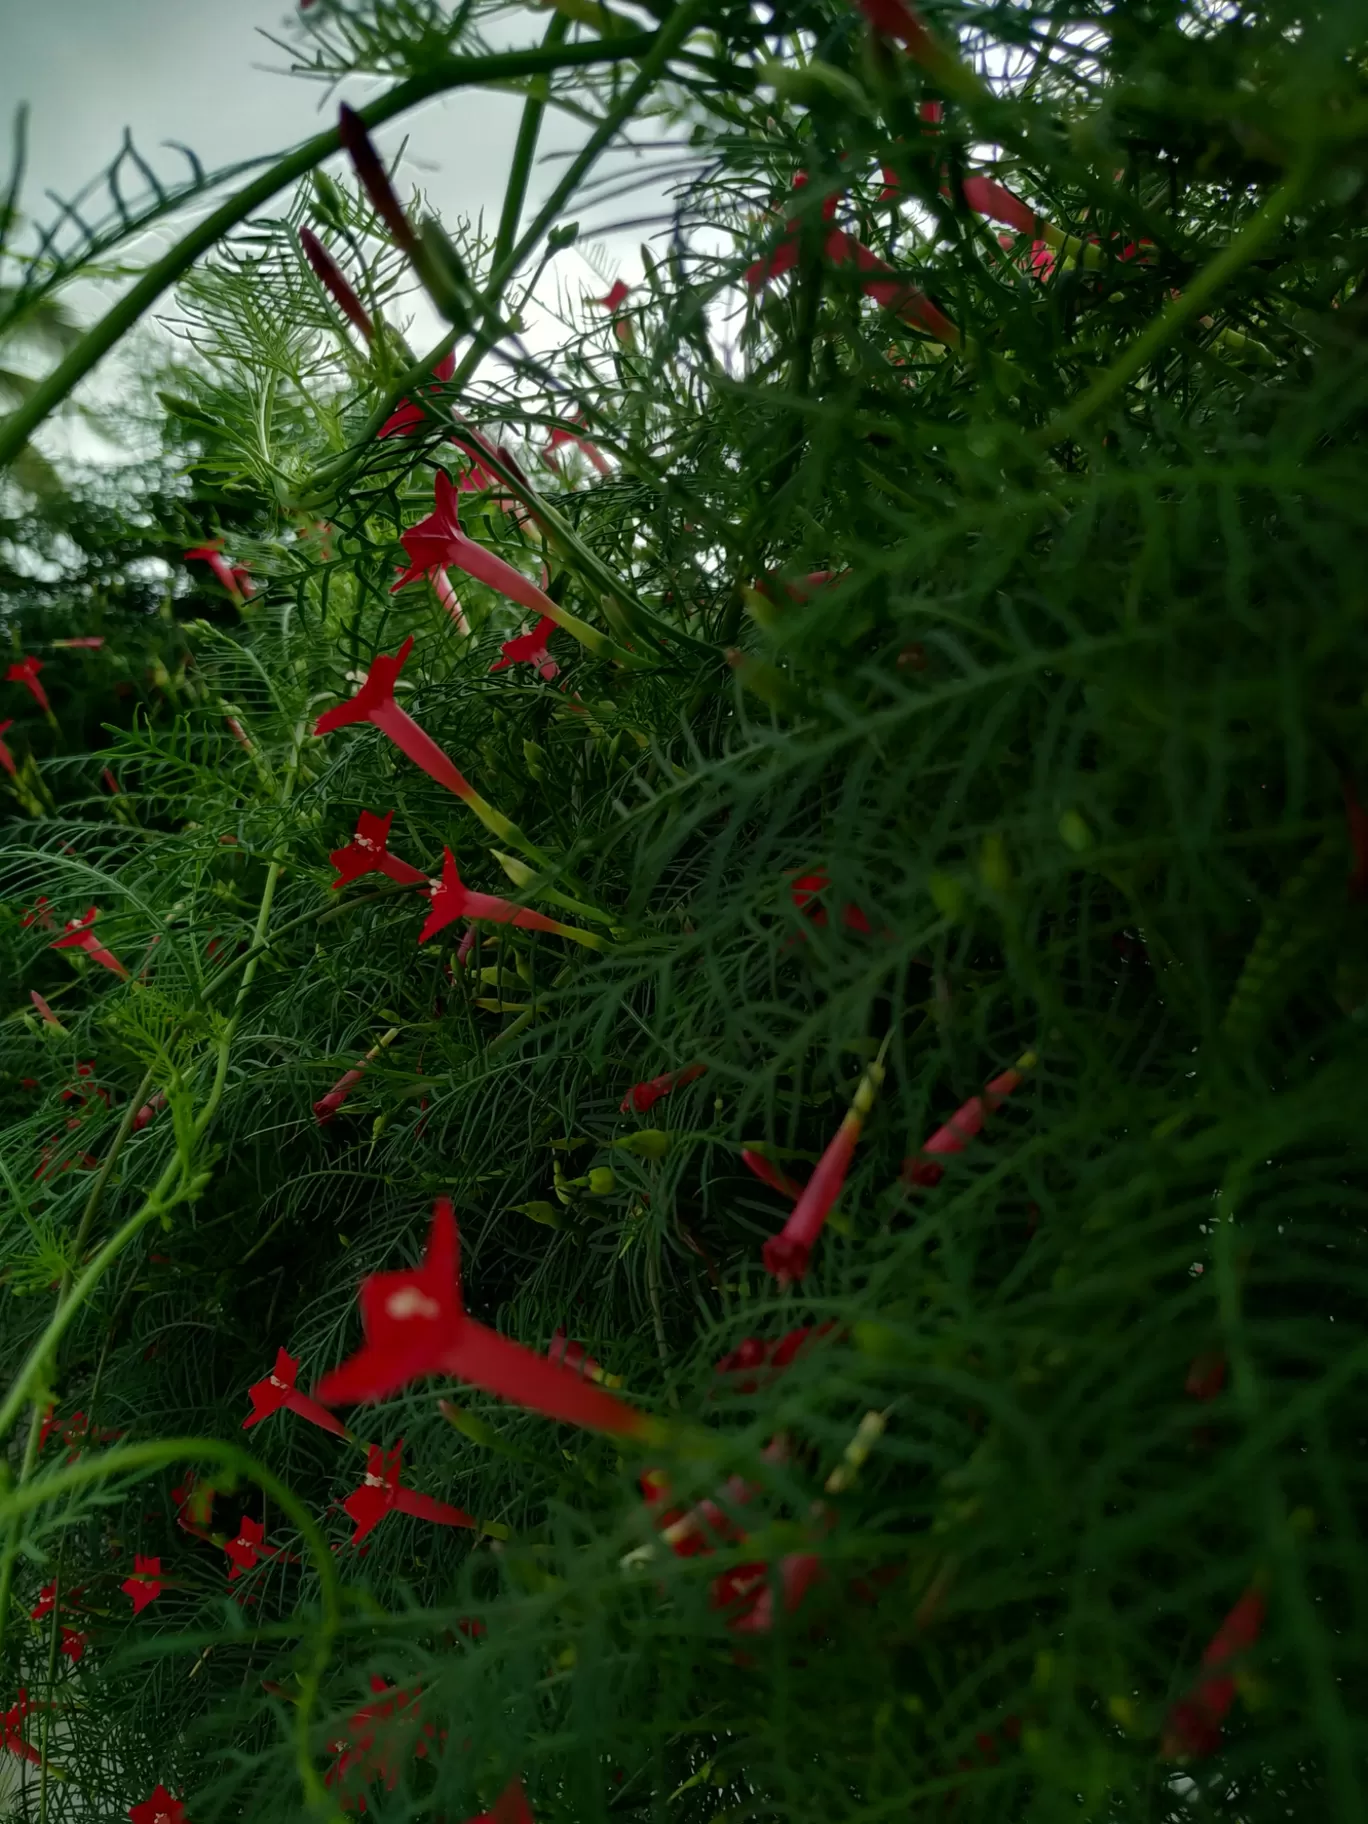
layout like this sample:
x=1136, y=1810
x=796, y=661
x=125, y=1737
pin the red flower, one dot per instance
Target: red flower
x=747, y=1592
x=966, y=1121
x=557, y=437
x=374, y=178
x=368, y=853
x=380, y=1492
x=1206, y=1376
x=155, y=1103
x=998, y=203
x=145, y=1585
x=452, y=899
x=892, y=292
x=785, y=255
x=752, y=1353
x=47, y=1597
x=806, y=887
x=161, y=1808
x=769, y=1173
x=642, y=1097
x=244, y=1550
x=369, y=1758
x=530, y=649
x=6, y=757
x=511, y=1807
x=80, y=937
x=73, y=1645
x=330, y=276
x=234, y=578
x=374, y=702
x=438, y=541
x=408, y=417
x=1193, y=1725
x=25, y=672
x=278, y=1390
x=618, y=293
x=896, y=19
x=415, y=1324
x=37, y=914
x=1357, y=819
x=11, y=1721
x=786, y=1254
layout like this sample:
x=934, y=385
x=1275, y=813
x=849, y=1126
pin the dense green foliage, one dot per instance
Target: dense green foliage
x=1070, y=730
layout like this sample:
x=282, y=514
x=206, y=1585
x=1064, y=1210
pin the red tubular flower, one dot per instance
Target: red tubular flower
x=618, y=293
x=26, y=673
x=806, y=887
x=330, y=276
x=769, y=1173
x=452, y=899
x=375, y=179
x=752, y=1353
x=747, y=1591
x=407, y=417
x=786, y=1254
x=234, y=578
x=374, y=702
x=6, y=757
x=966, y=1121
x=73, y=1644
x=996, y=201
x=161, y=1808
x=11, y=1721
x=1193, y=1725
x=380, y=1493
x=558, y=437
x=278, y=1390
x=415, y=1324
x=145, y=1585
x=47, y=1600
x=1357, y=820
x=438, y=541
x=785, y=255
x=247, y=1547
x=368, y=853
x=896, y=19
x=530, y=649
x=37, y=914
x=48, y=1016
x=641, y=1098
x=80, y=937
x=327, y=1106
x=892, y=292
x=149, y=1110
x=373, y=1728
x=85, y=642
x=511, y=1807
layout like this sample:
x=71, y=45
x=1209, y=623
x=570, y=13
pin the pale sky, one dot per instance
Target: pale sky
x=199, y=71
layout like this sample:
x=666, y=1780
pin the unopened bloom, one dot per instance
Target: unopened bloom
x=247, y=1547
x=642, y=1097
x=1193, y=1725
x=145, y=1584
x=278, y=1390
x=380, y=1493
x=368, y=853
x=452, y=899
x=415, y=1324
x=375, y=179
x=530, y=649
x=999, y=204
x=25, y=672
x=786, y=1254
x=771, y=1174
x=330, y=276
x=6, y=757
x=925, y=1168
x=79, y=936
x=149, y=1110
x=577, y=1357
x=161, y=1808
x=85, y=642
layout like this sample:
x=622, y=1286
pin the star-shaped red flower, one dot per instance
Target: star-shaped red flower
x=79, y=936
x=162, y=1807
x=144, y=1585
x=247, y=1548
x=415, y=1324
x=374, y=702
x=452, y=899
x=438, y=542
x=278, y=1390
x=530, y=649
x=6, y=757
x=380, y=1493
x=368, y=853
x=25, y=672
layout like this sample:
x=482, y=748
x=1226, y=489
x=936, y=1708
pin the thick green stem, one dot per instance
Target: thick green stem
x=447, y=74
